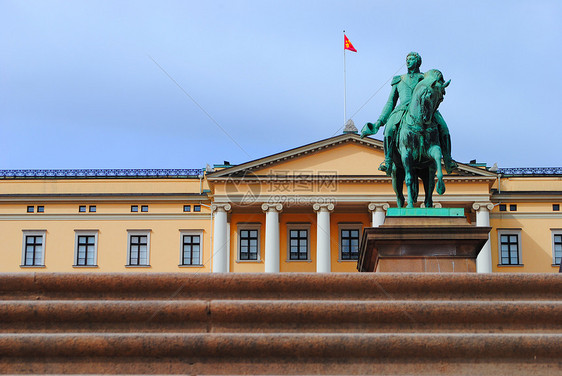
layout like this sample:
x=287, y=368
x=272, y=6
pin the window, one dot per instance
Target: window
x=298, y=242
x=40, y=209
x=512, y=207
x=30, y=209
x=503, y=207
x=82, y=209
x=248, y=242
x=191, y=248
x=509, y=247
x=134, y=208
x=86, y=248
x=556, y=247
x=187, y=208
x=144, y=208
x=555, y=207
x=138, y=248
x=349, y=241
x=92, y=208
x=33, y=248
x=196, y=208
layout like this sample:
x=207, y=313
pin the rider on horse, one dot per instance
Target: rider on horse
x=402, y=88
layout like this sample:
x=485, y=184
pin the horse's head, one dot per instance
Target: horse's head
x=429, y=94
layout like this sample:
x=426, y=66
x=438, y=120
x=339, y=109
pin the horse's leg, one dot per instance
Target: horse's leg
x=429, y=185
x=415, y=186
x=398, y=185
x=435, y=153
x=408, y=176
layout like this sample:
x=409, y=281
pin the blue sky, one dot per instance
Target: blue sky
x=82, y=83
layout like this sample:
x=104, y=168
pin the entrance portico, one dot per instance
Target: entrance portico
x=306, y=206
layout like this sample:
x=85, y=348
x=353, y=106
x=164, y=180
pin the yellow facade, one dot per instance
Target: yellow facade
x=335, y=179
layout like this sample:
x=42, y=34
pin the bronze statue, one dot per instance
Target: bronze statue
x=423, y=137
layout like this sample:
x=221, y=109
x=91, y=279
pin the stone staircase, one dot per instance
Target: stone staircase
x=363, y=323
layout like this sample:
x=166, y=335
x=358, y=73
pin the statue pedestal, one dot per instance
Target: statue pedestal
x=435, y=240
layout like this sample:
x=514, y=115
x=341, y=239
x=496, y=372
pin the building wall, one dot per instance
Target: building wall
x=534, y=218
x=112, y=197
x=356, y=183
x=112, y=245
x=535, y=221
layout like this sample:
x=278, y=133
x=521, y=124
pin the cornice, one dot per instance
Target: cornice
x=338, y=198
x=101, y=217
x=341, y=178
x=529, y=215
x=102, y=197
x=522, y=196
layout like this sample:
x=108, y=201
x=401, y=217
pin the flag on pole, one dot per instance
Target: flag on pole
x=347, y=44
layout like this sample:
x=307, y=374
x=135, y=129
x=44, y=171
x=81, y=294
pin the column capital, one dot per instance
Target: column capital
x=275, y=207
x=226, y=207
x=378, y=206
x=327, y=206
x=482, y=206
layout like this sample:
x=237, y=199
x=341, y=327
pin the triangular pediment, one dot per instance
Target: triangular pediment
x=344, y=155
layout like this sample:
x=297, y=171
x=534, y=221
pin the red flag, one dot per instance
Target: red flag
x=347, y=44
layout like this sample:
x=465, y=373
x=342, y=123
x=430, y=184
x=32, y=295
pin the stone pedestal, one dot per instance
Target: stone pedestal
x=435, y=240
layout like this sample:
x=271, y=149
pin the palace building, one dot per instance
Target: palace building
x=300, y=210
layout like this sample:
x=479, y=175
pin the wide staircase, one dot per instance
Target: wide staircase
x=360, y=323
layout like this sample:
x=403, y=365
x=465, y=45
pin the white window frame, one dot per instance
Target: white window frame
x=347, y=226
x=519, y=245
x=131, y=233
x=191, y=233
x=78, y=233
x=554, y=233
x=248, y=226
x=27, y=233
x=298, y=226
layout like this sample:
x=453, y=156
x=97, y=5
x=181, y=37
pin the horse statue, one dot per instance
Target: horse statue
x=417, y=151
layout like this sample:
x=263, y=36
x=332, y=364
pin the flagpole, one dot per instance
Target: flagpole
x=344, y=88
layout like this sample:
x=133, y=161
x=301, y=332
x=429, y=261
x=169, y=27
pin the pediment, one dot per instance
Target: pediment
x=343, y=155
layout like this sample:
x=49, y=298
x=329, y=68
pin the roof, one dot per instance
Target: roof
x=530, y=171
x=295, y=152
x=464, y=170
x=101, y=173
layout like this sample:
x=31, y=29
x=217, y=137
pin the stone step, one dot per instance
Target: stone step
x=280, y=353
x=281, y=323
x=250, y=316
x=309, y=286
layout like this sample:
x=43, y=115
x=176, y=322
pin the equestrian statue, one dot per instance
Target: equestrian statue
x=416, y=136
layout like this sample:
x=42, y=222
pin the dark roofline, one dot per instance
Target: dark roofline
x=101, y=173
x=530, y=171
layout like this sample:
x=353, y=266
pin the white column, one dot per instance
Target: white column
x=323, y=254
x=228, y=255
x=272, y=237
x=220, y=238
x=484, y=259
x=378, y=213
